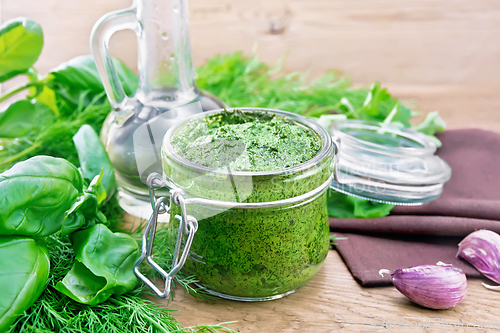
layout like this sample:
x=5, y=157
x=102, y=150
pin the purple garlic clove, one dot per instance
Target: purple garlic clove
x=437, y=287
x=482, y=250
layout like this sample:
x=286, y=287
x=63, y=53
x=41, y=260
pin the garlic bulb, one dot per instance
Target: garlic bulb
x=482, y=250
x=437, y=286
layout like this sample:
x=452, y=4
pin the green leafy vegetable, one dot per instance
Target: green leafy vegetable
x=18, y=119
x=83, y=213
x=37, y=195
x=21, y=41
x=24, y=270
x=103, y=267
x=127, y=313
x=81, y=73
x=23, y=117
x=72, y=95
x=247, y=81
x=345, y=206
x=431, y=125
x=94, y=159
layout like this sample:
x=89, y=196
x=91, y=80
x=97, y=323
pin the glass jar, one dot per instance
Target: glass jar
x=263, y=235
x=167, y=92
x=387, y=163
x=260, y=235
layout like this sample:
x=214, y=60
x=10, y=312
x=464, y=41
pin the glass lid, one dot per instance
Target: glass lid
x=387, y=163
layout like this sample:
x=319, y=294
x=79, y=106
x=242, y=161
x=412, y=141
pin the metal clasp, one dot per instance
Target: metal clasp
x=188, y=225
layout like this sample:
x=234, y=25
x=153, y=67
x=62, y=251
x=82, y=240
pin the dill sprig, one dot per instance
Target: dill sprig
x=238, y=81
x=130, y=312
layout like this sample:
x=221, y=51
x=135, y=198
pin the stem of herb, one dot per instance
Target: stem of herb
x=17, y=156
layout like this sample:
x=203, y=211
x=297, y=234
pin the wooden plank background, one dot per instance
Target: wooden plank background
x=439, y=54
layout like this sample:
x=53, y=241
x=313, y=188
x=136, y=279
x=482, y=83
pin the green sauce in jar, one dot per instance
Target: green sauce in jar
x=245, y=142
x=252, y=156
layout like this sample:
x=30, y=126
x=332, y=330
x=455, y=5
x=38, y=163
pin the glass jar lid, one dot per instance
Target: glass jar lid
x=387, y=163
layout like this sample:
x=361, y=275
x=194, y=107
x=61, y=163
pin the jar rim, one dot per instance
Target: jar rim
x=326, y=144
x=427, y=146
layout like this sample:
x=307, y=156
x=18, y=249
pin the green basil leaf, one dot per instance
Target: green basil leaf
x=81, y=214
x=85, y=211
x=17, y=120
x=97, y=188
x=21, y=41
x=127, y=77
x=94, y=159
x=37, y=194
x=104, y=265
x=24, y=270
x=345, y=206
x=22, y=117
x=48, y=97
x=81, y=73
x=431, y=125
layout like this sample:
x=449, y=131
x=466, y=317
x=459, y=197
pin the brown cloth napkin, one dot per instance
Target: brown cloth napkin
x=430, y=233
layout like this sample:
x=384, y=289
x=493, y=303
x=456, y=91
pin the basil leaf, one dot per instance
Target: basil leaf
x=81, y=73
x=104, y=265
x=22, y=117
x=81, y=214
x=37, y=194
x=21, y=41
x=345, y=206
x=48, y=98
x=85, y=211
x=24, y=270
x=94, y=159
x=97, y=188
x=17, y=120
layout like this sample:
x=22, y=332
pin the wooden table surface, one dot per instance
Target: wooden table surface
x=437, y=54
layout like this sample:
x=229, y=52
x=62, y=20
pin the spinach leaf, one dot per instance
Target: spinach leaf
x=104, y=265
x=81, y=73
x=94, y=159
x=23, y=117
x=345, y=206
x=36, y=196
x=21, y=41
x=24, y=270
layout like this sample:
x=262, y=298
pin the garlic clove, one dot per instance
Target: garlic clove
x=482, y=250
x=432, y=286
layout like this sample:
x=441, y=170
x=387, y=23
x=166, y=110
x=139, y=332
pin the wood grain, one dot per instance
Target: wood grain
x=333, y=300
x=438, y=54
x=441, y=54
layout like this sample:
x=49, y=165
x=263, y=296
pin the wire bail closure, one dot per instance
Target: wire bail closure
x=188, y=225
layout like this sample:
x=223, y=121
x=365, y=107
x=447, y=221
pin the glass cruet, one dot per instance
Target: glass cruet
x=167, y=92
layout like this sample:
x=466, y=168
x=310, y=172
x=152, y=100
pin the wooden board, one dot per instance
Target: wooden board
x=333, y=300
x=440, y=54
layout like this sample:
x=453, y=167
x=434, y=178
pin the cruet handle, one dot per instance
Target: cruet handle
x=99, y=42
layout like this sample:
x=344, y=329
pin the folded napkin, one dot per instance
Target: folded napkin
x=430, y=233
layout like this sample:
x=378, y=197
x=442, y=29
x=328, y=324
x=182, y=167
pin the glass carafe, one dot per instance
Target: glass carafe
x=167, y=92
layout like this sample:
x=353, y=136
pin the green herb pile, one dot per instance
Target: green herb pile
x=58, y=211
x=63, y=265
x=241, y=81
